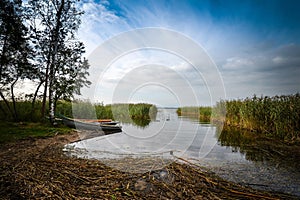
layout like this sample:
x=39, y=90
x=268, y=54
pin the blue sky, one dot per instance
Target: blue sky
x=255, y=44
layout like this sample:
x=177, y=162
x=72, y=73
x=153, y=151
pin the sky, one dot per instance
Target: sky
x=249, y=47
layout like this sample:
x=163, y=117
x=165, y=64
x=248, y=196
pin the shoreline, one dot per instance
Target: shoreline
x=37, y=168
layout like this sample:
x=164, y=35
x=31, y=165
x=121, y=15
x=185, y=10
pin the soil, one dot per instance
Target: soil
x=38, y=169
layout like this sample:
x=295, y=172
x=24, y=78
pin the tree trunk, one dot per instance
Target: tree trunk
x=51, y=103
x=34, y=99
x=2, y=56
x=43, y=111
x=53, y=61
x=6, y=103
x=15, y=113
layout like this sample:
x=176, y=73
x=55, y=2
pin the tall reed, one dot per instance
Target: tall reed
x=277, y=116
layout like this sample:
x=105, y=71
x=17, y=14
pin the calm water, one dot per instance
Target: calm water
x=170, y=136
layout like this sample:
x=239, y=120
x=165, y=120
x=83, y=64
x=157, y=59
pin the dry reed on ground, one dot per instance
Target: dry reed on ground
x=37, y=169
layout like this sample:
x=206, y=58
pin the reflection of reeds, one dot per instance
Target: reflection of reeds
x=256, y=147
x=277, y=116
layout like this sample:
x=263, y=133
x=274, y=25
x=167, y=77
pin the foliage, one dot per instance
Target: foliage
x=38, y=43
x=15, y=53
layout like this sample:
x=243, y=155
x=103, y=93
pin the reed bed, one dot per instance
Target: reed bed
x=121, y=112
x=37, y=169
x=82, y=109
x=203, y=113
x=277, y=116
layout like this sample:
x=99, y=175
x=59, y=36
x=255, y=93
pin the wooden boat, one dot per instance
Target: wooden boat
x=101, y=126
x=102, y=121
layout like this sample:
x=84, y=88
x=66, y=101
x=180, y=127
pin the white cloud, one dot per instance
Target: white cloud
x=98, y=13
x=237, y=63
x=278, y=60
x=269, y=73
x=98, y=24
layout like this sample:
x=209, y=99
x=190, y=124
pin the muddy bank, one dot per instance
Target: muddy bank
x=38, y=169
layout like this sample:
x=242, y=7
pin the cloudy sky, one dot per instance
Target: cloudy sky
x=254, y=46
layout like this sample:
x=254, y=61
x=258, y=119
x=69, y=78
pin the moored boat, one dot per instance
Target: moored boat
x=107, y=126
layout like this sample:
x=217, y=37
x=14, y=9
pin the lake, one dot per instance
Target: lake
x=170, y=137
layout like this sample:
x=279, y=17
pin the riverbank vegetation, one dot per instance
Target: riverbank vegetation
x=82, y=109
x=139, y=113
x=277, y=116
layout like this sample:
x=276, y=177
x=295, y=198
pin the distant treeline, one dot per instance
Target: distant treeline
x=83, y=109
x=277, y=116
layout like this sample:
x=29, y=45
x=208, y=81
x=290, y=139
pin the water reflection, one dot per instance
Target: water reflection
x=140, y=122
x=271, y=164
x=139, y=115
x=167, y=133
x=137, y=122
x=258, y=148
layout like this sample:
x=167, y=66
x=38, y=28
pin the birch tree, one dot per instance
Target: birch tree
x=53, y=24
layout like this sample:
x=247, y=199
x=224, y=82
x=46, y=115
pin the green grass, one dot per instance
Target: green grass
x=11, y=132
